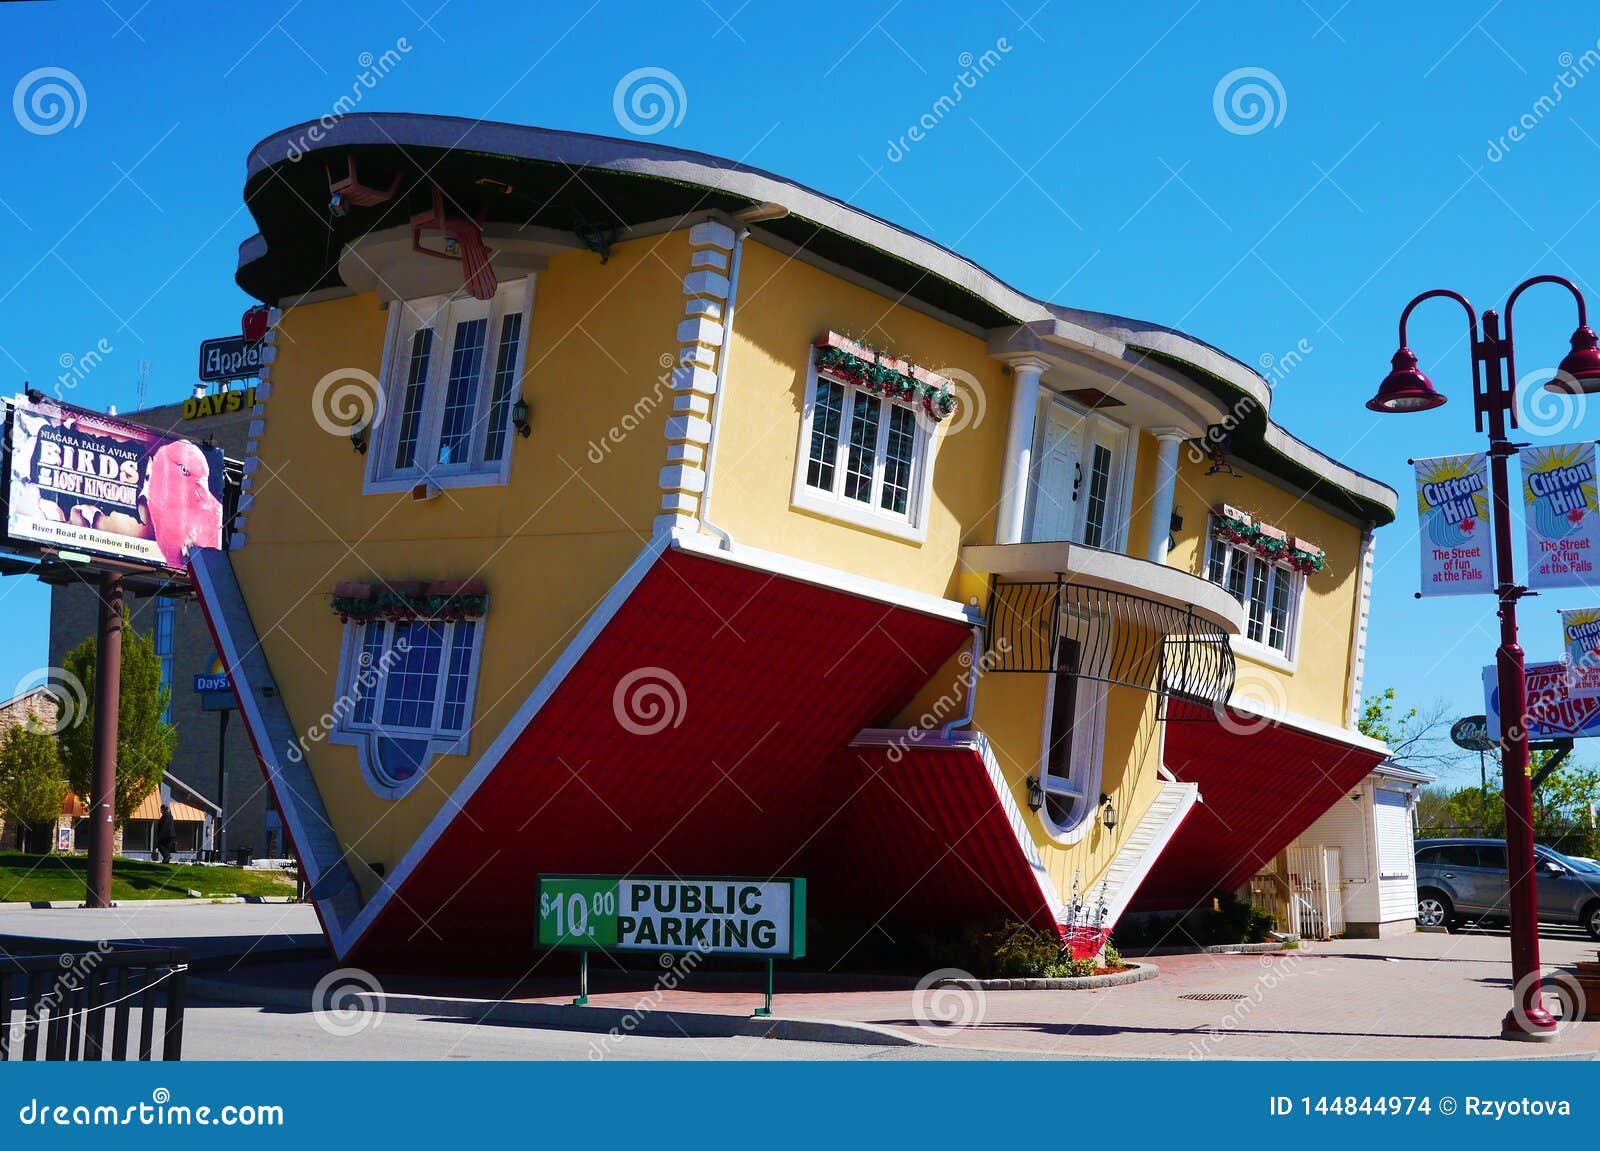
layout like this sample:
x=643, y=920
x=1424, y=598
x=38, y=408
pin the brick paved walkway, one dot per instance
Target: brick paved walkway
x=1412, y=997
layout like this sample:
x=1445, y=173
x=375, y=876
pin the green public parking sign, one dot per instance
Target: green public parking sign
x=761, y=918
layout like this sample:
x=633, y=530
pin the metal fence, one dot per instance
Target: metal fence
x=1118, y=638
x=67, y=1001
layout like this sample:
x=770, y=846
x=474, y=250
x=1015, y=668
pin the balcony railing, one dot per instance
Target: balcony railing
x=1120, y=638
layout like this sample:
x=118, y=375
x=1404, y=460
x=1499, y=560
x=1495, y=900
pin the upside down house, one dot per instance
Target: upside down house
x=616, y=508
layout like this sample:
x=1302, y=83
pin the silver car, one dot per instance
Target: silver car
x=1460, y=879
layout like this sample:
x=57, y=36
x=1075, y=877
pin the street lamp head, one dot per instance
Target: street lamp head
x=1405, y=388
x=1580, y=371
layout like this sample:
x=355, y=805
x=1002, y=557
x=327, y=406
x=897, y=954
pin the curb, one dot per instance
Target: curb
x=610, y=1021
x=1137, y=973
x=1221, y=949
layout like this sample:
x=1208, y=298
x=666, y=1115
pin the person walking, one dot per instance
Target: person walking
x=166, y=834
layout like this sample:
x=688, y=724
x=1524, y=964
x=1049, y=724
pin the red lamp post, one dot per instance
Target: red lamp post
x=1494, y=376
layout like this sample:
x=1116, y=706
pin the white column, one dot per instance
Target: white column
x=1168, y=441
x=1019, y=450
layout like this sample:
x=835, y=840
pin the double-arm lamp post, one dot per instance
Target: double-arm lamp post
x=1494, y=375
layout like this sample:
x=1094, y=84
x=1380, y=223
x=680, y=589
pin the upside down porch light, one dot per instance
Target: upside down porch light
x=1035, y=794
x=358, y=439
x=519, y=418
x=1108, y=812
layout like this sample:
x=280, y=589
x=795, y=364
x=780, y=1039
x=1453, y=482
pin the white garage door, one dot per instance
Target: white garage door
x=1393, y=821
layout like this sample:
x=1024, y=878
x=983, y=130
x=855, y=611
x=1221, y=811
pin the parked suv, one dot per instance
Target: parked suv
x=1466, y=879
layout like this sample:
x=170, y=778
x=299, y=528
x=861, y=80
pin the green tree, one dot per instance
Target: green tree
x=1412, y=735
x=145, y=742
x=32, y=780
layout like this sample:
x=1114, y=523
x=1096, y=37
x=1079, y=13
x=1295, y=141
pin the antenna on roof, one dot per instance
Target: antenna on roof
x=144, y=383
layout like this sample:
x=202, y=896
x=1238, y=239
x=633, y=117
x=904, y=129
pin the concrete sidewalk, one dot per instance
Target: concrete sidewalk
x=1424, y=996
x=1417, y=997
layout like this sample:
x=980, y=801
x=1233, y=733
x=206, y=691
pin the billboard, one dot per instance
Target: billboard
x=1555, y=709
x=86, y=482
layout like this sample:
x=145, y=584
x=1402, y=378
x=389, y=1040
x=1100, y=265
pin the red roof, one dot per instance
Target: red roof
x=1261, y=784
x=776, y=676
x=921, y=835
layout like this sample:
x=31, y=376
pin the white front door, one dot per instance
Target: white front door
x=1078, y=488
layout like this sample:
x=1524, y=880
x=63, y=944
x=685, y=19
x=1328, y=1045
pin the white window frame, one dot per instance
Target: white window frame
x=442, y=314
x=1259, y=651
x=1088, y=756
x=365, y=737
x=912, y=526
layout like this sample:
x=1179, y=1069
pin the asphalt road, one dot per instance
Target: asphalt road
x=220, y=1031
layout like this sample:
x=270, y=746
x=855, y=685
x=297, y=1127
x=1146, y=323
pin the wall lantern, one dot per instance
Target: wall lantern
x=358, y=439
x=1035, y=794
x=519, y=418
x=1108, y=812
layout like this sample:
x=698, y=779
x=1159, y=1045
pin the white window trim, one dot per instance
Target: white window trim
x=1257, y=651
x=381, y=476
x=364, y=738
x=1092, y=718
x=1125, y=459
x=913, y=526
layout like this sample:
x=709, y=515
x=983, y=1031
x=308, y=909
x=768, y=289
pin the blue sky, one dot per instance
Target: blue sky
x=1089, y=164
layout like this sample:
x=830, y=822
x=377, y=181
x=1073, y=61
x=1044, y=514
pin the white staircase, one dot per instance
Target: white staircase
x=1142, y=847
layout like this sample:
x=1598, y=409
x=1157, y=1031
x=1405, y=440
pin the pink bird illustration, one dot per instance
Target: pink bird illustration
x=183, y=511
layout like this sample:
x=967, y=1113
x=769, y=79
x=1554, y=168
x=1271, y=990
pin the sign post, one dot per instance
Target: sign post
x=763, y=918
x=215, y=690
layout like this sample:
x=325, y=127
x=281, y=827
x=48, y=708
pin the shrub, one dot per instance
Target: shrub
x=1011, y=951
x=1111, y=956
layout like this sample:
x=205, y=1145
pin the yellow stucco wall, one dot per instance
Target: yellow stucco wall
x=1319, y=685
x=577, y=510
x=583, y=493
x=783, y=306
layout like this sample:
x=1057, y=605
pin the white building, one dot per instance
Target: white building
x=1353, y=871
